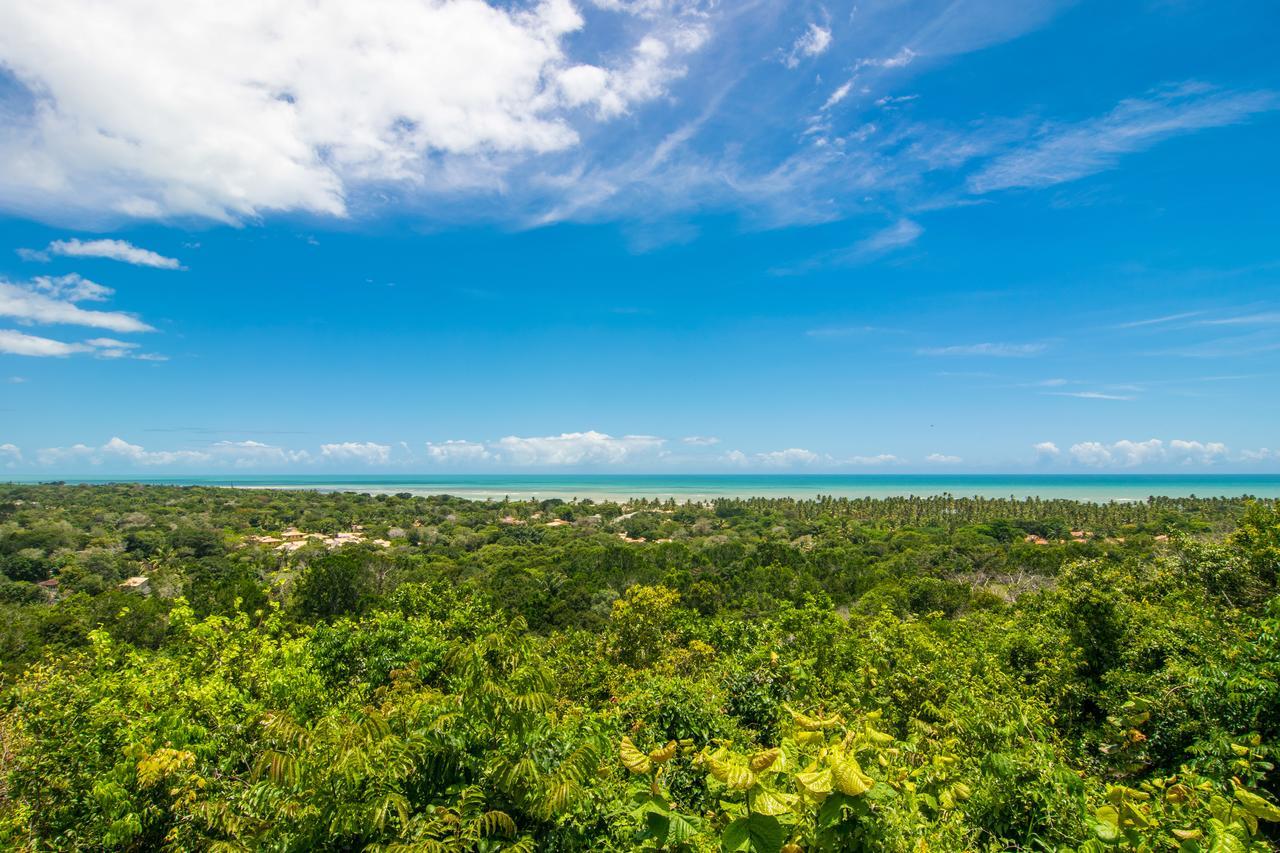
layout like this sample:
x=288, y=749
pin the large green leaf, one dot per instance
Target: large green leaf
x=756, y=834
x=682, y=827
x=768, y=802
x=1257, y=806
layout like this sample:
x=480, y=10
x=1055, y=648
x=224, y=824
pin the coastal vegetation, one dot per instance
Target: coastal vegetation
x=190, y=668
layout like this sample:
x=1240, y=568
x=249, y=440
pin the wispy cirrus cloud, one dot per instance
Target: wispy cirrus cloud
x=988, y=349
x=536, y=134
x=899, y=235
x=1089, y=395
x=814, y=41
x=1067, y=152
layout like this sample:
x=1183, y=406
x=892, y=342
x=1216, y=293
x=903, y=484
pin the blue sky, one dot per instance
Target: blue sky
x=639, y=235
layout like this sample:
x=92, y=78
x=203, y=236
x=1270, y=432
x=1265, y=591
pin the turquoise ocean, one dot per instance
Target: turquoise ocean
x=698, y=487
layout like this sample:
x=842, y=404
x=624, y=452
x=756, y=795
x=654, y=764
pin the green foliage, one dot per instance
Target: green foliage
x=333, y=585
x=831, y=675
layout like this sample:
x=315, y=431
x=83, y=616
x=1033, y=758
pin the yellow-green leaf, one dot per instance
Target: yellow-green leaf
x=632, y=758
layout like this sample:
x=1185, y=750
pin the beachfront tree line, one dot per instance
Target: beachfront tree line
x=779, y=675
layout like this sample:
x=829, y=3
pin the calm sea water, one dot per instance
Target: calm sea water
x=696, y=487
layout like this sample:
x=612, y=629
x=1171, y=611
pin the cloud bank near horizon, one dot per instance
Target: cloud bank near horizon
x=592, y=450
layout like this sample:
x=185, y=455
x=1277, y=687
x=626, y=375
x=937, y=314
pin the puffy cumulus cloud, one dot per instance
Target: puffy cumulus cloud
x=253, y=454
x=53, y=301
x=117, y=450
x=791, y=457
x=116, y=250
x=878, y=459
x=1195, y=451
x=1262, y=454
x=233, y=109
x=644, y=77
x=458, y=451
x=576, y=448
x=221, y=454
x=10, y=455
x=942, y=459
x=357, y=451
x=1046, y=448
x=1132, y=454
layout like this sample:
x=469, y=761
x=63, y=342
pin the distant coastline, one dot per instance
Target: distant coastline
x=702, y=487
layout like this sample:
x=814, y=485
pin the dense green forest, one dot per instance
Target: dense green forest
x=212, y=669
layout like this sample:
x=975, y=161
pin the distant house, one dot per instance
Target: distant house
x=559, y=522
x=138, y=583
x=50, y=588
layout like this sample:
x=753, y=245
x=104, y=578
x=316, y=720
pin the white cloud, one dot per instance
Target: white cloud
x=355, y=451
x=252, y=454
x=788, y=458
x=1066, y=152
x=1131, y=454
x=901, y=59
x=700, y=440
x=230, y=110
x=118, y=450
x=942, y=459
x=10, y=455
x=1089, y=395
x=575, y=448
x=878, y=459
x=838, y=95
x=1047, y=448
x=735, y=457
x=902, y=233
x=1197, y=452
x=458, y=451
x=14, y=342
x=72, y=287
x=1155, y=321
x=813, y=42
x=29, y=304
x=996, y=350
x=116, y=250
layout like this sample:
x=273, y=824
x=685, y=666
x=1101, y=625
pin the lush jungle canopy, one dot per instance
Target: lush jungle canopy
x=188, y=669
